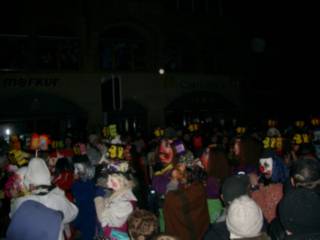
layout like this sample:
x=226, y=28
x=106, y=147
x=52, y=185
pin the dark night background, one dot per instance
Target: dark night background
x=268, y=45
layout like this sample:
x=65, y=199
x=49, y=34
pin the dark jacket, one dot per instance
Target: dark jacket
x=312, y=236
x=186, y=212
x=217, y=231
x=32, y=221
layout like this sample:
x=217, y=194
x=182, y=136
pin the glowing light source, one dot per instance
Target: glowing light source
x=161, y=71
x=8, y=131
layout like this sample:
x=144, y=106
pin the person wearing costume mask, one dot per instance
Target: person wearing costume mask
x=269, y=185
x=113, y=211
x=166, y=155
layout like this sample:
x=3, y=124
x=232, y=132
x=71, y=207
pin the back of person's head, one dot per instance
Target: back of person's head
x=84, y=170
x=165, y=237
x=299, y=212
x=83, y=167
x=234, y=187
x=307, y=150
x=244, y=218
x=306, y=173
x=63, y=164
x=37, y=173
x=142, y=224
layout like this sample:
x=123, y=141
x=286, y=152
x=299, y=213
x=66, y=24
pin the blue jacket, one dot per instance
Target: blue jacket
x=34, y=221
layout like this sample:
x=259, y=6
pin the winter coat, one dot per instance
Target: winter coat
x=55, y=199
x=33, y=221
x=186, y=212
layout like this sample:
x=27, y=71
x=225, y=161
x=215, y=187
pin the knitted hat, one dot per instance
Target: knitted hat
x=300, y=211
x=38, y=173
x=244, y=218
x=234, y=187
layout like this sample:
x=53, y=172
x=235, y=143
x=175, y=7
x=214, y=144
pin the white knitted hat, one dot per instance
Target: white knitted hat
x=244, y=218
x=38, y=173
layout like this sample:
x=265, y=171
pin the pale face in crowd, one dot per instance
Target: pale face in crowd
x=114, y=183
x=266, y=165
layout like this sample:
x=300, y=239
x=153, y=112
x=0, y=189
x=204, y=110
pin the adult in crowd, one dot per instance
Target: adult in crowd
x=233, y=187
x=270, y=184
x=299, y=209
x=185, y=210
x=38, y=180
x=245, y=219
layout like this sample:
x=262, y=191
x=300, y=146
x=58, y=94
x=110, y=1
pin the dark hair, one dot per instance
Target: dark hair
x=196, y=174
x=306, y=149
x=80, y=159
x=306, y=172
x=63, y=164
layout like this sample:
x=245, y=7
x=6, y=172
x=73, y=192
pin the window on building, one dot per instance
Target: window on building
x=58, y=53
x=57, y=48
x=122, y=49
x=13, y=49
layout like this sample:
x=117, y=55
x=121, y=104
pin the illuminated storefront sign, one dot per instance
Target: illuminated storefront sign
x=23, y=82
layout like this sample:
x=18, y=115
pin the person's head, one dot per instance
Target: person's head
x=247, y=150
x=272, y=167
x=37, y=174
x=266, y=166
x=93, y=139
x=273, y=132
x=84, y=170
x=299, y=212
x=165, y=237
x=307, y=149
x=118, y=181
x=306, y=173
x=244, y=218
x=15, y=187
x=142, y=224
x=62, y=165
x=234, y=187
x=165, y=151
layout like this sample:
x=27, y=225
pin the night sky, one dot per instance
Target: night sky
x=280, y=36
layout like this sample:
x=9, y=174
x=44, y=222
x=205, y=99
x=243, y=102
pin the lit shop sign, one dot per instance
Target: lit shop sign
x=30, y=82
x=197, y=84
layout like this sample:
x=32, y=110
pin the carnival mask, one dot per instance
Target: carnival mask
x=265, y=167
x=165, y=152
x=114, y=183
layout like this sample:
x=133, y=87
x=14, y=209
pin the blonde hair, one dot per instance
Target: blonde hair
x=142, y=224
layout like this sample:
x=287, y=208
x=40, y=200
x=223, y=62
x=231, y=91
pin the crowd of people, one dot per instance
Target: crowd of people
x=194, y=182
